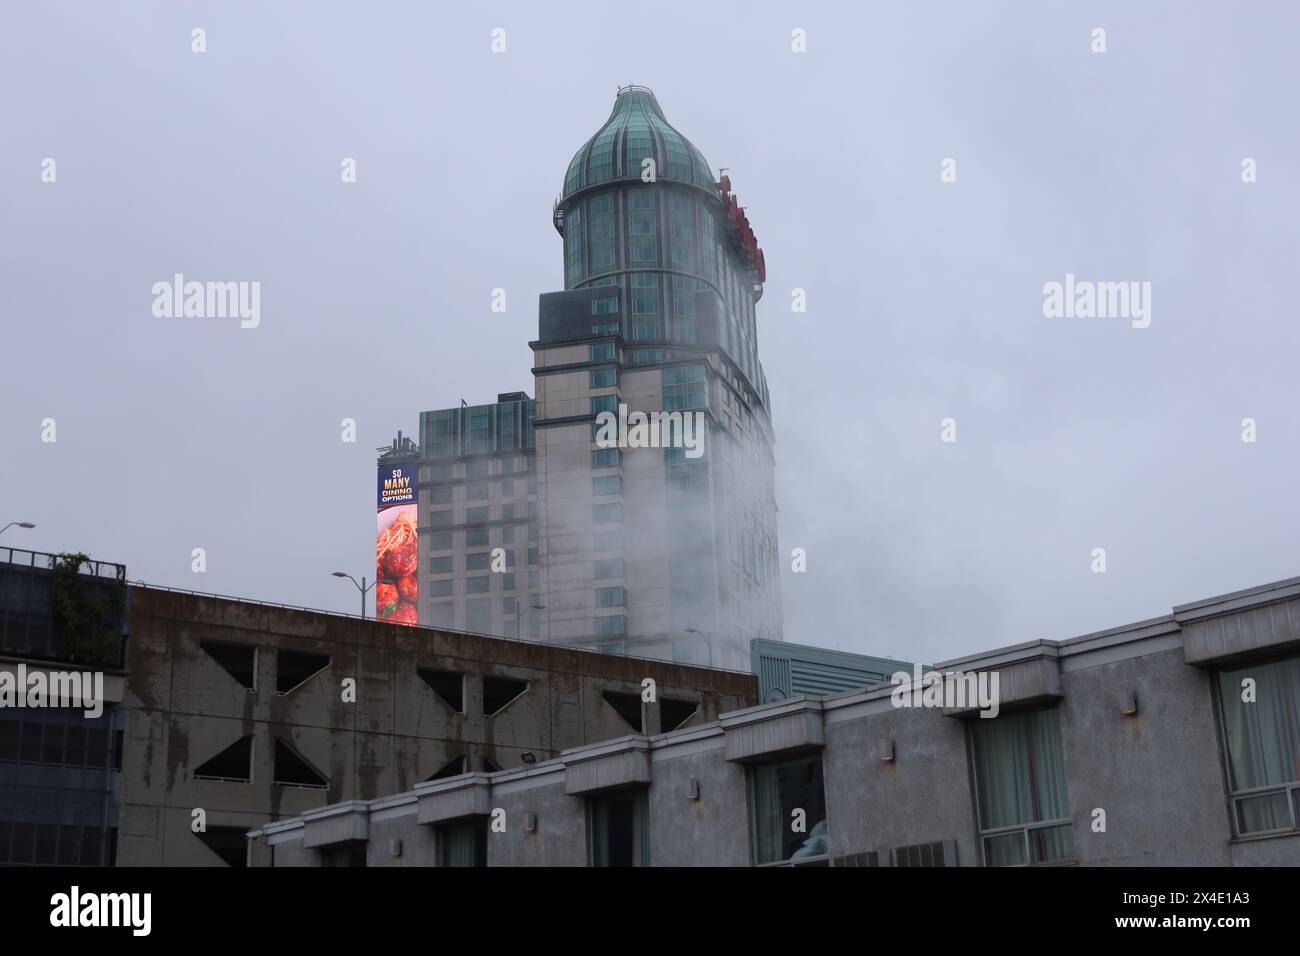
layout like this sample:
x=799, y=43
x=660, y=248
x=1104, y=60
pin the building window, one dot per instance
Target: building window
x=600, y=352
x=708, y=246
x=476, y=491
x=439, y=519
x=612, y=626
x=640, y=199
x=1024, y=810
x=476, y=515
x=440, y=541
x=600, y=208
x=441, y=612
x=478, y=561
x=611, y=597
x=573, y=247
x=440, y=565
x=1263, y=743
x=604, y=305
x=778, y=792
x=620, y=828
x=508, y=582
x=683, y=245
x=607, y=541
x=532, y=556
x=604, y=377
x=476, y=537
x=607, y=485
x=440, y=495
x=480, y=584
x=613, y=511
x=684, y=308
x=645, y=295
x=609, y=568
x=352, y=853
x=463, y=844
x=478, y=613
x=604, y=403
x=605, y=458
x=438, y=588
x=685, y=387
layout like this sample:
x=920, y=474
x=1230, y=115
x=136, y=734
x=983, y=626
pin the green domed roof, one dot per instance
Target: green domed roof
x=636, y=129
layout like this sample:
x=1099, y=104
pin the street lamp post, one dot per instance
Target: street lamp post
x=362, y=587
x=20, y=524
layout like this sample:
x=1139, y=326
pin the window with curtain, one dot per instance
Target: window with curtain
x=463, y=844
x=777, y=790
x=1020, y=786
x=620, y=828
x=1263, y=742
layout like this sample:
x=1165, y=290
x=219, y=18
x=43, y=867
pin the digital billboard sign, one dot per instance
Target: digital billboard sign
x=397, y=552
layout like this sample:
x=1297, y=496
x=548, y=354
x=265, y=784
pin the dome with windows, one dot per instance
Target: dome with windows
x=635, y=130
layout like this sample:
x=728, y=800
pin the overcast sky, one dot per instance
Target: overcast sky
x=925, y=298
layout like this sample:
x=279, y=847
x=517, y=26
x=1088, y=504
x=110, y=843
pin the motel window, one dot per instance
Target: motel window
x=1024, y=811
x=620, y=828
x=463, y=844
x=1262, y=737
x=789, y=811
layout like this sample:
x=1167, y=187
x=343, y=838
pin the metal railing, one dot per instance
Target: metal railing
x=43, y=561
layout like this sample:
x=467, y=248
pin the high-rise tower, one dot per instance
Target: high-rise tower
x=526, y=526
x=648, y=550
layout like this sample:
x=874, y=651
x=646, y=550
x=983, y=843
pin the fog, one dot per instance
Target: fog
x=925, y=298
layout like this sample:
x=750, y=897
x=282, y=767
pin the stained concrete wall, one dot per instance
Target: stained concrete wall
x=185, y=708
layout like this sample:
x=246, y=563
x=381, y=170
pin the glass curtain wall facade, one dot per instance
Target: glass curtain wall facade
x=672, y=293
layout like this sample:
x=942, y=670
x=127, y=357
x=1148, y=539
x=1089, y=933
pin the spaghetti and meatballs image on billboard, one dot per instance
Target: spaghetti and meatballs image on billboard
x=397, y=549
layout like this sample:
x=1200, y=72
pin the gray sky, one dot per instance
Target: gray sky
x=924, y=298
